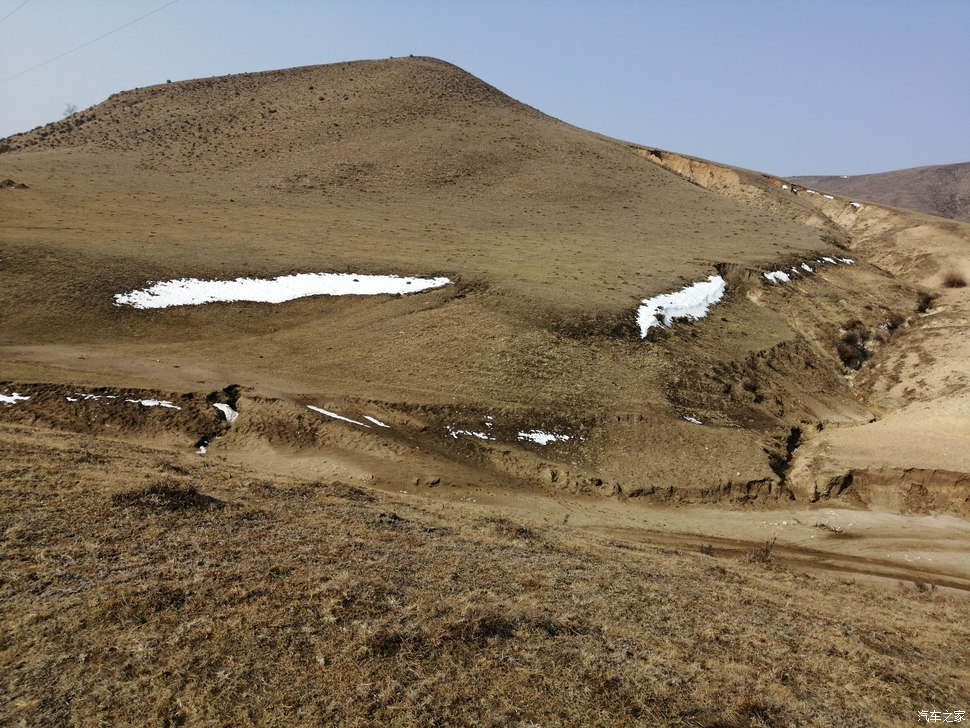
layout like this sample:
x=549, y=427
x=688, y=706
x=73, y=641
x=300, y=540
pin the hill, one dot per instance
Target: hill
x=408, y=463
x=942, y=190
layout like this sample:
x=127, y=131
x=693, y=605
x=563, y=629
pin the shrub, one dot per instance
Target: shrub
x=954, y=280
x=925, y=301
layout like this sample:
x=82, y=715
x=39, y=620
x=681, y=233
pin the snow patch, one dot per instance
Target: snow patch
x=375, y=421
x=693, y=420
x=81, y=397
x=803, y=268
x=777, y=276
x=856, y=205
x=691, y=302
x=468, y=433
x=228, y=411
x=542, y=438
x=13, y=398
x=154, y=403
x=192, y=291
x=335, y=416
x=828, y=197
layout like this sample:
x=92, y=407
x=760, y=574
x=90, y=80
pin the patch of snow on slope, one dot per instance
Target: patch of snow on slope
x=777, y=276
x=375, y=421
x=542, y=438
x=154, y=403
x=79, y=397
x=468, y=433
x=192, y=291
x=691, y=302
x=856, y=205
x=780, y=276
x=828, y=197
x=13, y=398
x=228, y=411
x=693, y=420
x=328, y=413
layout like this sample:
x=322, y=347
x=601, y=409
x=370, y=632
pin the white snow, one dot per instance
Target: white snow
x=192, y=291
x=780, y=276
x=375, y=421
x=13, y=398
x=856, y=205
x=691, y=302
x=811, y=192
x=784, y=187
x=79, y=396
x=692, y=419
x=777, y=276
x=154, y=403
x=228, y=411
x=328, y=413
x=468, y=433
x=844, y=176
x=542, y=438
x=828, y=197
x=201, y=450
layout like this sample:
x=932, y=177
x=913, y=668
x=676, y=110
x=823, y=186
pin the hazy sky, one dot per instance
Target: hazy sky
x=807, y=87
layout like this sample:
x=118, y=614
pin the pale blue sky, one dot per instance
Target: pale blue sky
x=808, y=87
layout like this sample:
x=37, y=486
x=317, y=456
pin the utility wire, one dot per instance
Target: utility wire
x=14, y=10
x=83, y=45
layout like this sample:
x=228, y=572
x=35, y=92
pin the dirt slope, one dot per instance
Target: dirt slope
x=942, y=189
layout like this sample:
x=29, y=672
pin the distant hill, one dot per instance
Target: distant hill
x=942, y=190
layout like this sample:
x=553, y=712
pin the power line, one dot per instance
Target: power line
x=83, y=45
x=14, y=10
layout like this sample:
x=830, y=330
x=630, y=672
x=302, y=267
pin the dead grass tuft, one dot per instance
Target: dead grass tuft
x=507, y=529
x=953, y=279
x=167, y=496
x=762, y=554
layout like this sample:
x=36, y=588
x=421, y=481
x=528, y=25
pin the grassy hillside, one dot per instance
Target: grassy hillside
x=493, y=502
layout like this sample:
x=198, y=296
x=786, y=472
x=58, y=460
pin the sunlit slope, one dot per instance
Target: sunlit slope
x=551, y=236
x=407, y=165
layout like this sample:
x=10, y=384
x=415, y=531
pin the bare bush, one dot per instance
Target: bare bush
x=953, y=279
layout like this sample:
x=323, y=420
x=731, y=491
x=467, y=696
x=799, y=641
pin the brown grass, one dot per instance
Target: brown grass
x=953, y=279
x=299, y=603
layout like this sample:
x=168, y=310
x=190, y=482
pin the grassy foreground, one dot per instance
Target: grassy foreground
x=149, y=588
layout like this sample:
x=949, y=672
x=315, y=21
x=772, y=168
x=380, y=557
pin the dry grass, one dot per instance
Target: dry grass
x=953, y=279
x=211, y=597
